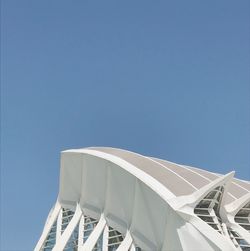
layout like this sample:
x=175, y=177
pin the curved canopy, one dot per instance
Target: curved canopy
x=178, y=179
x=146, y=202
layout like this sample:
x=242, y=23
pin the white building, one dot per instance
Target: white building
x=112, y=199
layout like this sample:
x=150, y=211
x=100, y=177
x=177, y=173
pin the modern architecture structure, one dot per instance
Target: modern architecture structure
x=112, y=199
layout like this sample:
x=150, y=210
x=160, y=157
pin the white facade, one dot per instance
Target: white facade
x=112, y=199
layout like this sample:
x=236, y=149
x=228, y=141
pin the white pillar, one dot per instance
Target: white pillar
x=94, y=236
x=126, y=243
x=48, y=226
x=68, y=231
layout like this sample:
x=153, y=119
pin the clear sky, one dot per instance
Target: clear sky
x=169, y=79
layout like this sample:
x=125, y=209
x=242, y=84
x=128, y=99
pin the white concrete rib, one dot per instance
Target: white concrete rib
x=204, y=178
x=94, y=236
x=241, y=186
x=170, y=170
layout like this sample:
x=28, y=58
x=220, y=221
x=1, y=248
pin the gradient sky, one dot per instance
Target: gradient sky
x=168, y=79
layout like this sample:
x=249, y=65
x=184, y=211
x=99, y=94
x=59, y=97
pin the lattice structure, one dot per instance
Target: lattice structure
x=113, y=237
x=243, y=217
x=208, y=208
x=99, y=244
x=238, y=240
x=72, y=244
x=114, y=240
x=67, y=215
x=89, y=225
x=51, y=238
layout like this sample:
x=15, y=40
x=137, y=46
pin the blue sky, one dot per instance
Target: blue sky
x=168, y=79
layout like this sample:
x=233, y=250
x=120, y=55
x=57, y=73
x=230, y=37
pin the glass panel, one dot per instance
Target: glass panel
x=51, y=238
x=235, y=237
x=99, y=243
x=242, y=213
x=211, y=195
x=218, y=197
x=214, y=226
x=72, y=243
x=201, y=211
x=67, y=215
x=114, y=239
x=89, y=225
x=245, y=248
x=204, y=204
x=207, y=219
x=208, y=208
x=241, y=220
x=243, y=217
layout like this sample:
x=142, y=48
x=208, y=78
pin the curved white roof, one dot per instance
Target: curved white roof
x=153, y=203
x=179, y=179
